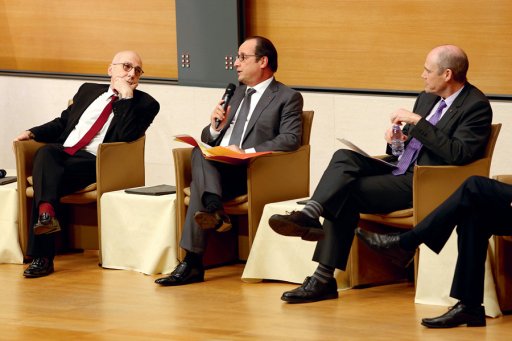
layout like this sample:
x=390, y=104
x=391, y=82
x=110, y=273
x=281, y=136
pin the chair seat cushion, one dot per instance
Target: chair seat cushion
x=83, y=196
x=88, y=188
x=401, y=218
x=237, y=205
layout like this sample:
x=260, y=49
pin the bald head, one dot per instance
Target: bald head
x=123, y=56
x=454, y=58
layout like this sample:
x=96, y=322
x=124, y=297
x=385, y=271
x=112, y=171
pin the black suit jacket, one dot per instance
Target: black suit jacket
x=460, y=137
x=131, y=119
x=275, y=123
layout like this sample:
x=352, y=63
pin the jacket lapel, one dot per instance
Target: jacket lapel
x=453, y=110
x=267, y=97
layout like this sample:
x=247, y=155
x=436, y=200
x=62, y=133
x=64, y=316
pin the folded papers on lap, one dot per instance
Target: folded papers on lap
x=218, y=153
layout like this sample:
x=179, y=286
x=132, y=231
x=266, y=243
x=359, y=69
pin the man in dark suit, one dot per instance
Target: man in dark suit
x=480, y=208
x=264, y=115
x=114, y=112
x=450, y=125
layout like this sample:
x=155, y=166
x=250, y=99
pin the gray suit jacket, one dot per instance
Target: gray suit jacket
x=275, y=123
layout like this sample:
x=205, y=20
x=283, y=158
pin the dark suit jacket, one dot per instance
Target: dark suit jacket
x=275, y=123
x=461, y=135
x=131, y=116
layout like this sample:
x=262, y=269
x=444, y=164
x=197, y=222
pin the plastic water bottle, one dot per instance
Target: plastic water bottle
x=397, y=144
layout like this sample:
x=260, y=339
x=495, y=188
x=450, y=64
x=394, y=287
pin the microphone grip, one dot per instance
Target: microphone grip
x=3, y=173
x=226, y=99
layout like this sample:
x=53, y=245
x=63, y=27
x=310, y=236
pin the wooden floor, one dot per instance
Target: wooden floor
x=82, y=301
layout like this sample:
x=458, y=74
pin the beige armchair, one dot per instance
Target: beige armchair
x=431, y=186
x=502, y=265
x=119, y=165
x=268, y=180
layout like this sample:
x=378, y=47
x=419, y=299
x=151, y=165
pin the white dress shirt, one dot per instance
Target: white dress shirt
x=86, y=121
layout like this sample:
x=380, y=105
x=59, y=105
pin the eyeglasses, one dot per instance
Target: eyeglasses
x=242, y=57
x=128, y=67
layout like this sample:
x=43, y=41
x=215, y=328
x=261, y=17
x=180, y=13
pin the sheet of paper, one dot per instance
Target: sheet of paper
x=362, y=152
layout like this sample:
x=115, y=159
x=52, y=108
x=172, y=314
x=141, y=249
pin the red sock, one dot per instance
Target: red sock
x=46, y=207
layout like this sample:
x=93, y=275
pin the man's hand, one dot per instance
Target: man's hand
x=219, y=114
x=124, y=88
x=235, y=148
x=401, y=116
x=26, y=135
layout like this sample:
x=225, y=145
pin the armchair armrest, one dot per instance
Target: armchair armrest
x=279, y=176
x=276, y=177
x=24, y=152
x=434, y=184
x=120, y=165
x=506, y=178
x=183, y=177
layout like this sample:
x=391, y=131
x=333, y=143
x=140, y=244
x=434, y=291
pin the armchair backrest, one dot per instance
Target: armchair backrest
x=433, y=184
x=495, y=131
x=307, y=122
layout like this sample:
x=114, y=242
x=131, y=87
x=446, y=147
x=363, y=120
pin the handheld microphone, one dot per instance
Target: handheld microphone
x=230, y=90
x=3, y=173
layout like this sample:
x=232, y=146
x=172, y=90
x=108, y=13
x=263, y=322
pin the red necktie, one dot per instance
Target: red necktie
x=95, y=128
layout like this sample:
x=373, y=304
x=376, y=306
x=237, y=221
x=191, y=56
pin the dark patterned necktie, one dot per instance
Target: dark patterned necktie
x=238, y=129
x=95, y=128
x=413, y=148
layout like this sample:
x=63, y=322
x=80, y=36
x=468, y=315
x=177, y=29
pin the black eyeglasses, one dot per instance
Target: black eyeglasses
x=128, y=67
x=242, y=57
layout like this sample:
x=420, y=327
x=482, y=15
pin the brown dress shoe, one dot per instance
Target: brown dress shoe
x=46, y=224
x=217, y=220
x=312, y=290
x=297, y=224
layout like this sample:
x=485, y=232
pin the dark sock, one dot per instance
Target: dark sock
x=323, y=273
x=313, y=209
x=409, y=241
x=212, y=202
x=194, y=259
x=46, y=207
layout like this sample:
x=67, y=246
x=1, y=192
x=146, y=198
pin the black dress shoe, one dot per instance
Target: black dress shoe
x=39, y=267
x=46, y=224
x=297, y=224
x=312, y=290
x=183, y=274
x=458, y=315
x=217, y=220
x=388, y=245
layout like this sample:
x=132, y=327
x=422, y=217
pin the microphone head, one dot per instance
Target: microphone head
x=230, y=89
x=3, y=173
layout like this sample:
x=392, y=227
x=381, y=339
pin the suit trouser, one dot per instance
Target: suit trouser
x=224, y=180
x=350, y=185
x=56, y=174
x=479, y=208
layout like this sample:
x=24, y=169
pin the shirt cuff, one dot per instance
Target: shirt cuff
x=213, y=133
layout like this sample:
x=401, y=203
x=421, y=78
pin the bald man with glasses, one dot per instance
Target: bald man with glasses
x=114, y=112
